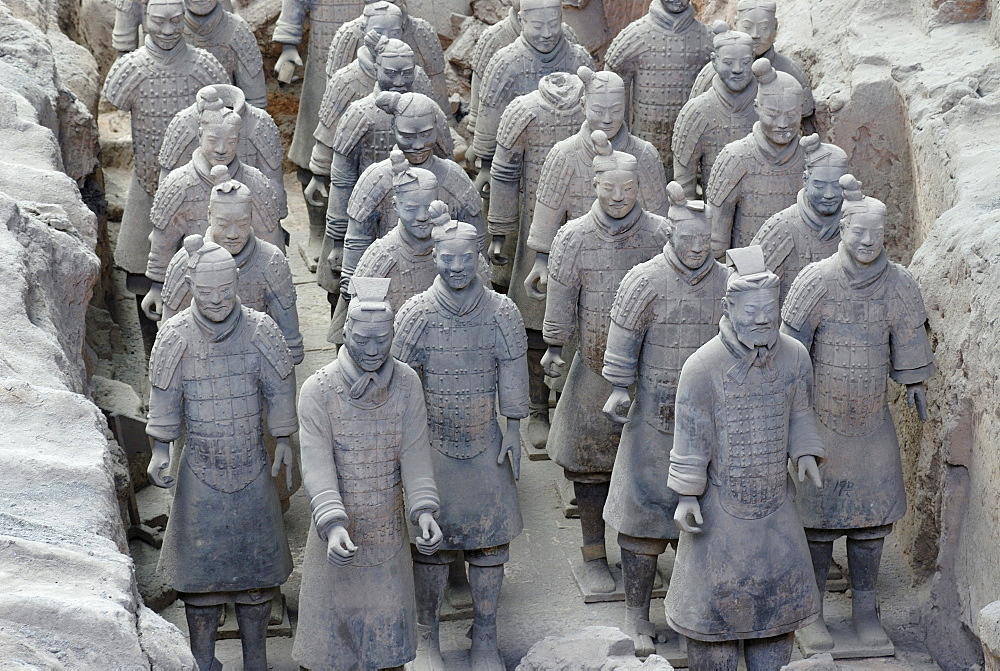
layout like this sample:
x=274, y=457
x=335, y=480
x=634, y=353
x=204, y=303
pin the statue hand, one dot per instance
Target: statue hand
x=315, y=186
x=159, y=462
x=916, y=397
x=430, y=536
x=688, y=507
x=808, y=467
x=617, y=405
x=512, y=445
x=152, y=302
x=496, y=251
x=537, y=281
x=340, y=550
x=336, y=257
x=283, y=454
x=552, y=361
x=289, y=55
x=482, y=180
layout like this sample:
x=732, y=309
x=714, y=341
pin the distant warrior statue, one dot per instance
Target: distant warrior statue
x=664, y=310
x=808, y=231
x=659, y=57
x=590, y=257
x=129, y=15
x=742, y=571
x=863, y=320
x=760, y=174
x=229, y=38
x=216, y=367
x=723, y=114
x=366, y=463
x=467, y=343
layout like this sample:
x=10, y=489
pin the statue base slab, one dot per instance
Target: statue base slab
x=845, y=643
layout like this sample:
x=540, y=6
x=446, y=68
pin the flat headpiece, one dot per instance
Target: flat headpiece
x=368, y=299
x=767, y=5
x=527, y=5
x=748, y=271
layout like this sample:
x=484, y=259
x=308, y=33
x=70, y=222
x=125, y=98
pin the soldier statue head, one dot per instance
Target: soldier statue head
x=675, y=6
x=415, y=122
x=778, y=103
x=690, y=228
x=759, y=20
x=456, y=253
x=368, y=329
x=164, y=23
x=616, y=178
x=603, y=100
x=385, y=18
x=826, y=164
x=862, y=225
x=230, y=210
x=541, y=24
x=395, y=64
x=415, y=190
x=200, y=7
x=732, y=57
x=211, y=278
x=401, y=4
x=218, y=128
x=751, y=302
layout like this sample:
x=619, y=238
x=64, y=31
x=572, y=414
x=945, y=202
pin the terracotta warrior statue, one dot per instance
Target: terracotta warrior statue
x=515, y=70
x=260, y=141
x=760, y=174
x=759, y=20
x=742, y=573
x=153, y=83
x=863, y=320
x=129, y=15
x=659, y=57
x=417, y=32
x=664, y=310
x=265, y=280
x=809, y=230
x=215, y=369
x=723, y=114
x=467, y=344
x=590, y=257
x=229, y=38
x=366, y=463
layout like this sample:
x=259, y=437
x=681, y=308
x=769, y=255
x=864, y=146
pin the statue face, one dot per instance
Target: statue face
x=230, y=225
x=605, y=111
x=542, y=28
x=823, y=190
x=864, y=237
x=780, y=117
x=395, y=73
x=165, y=23
x=755, y=315
x=617, y=192
x=200, y=7
x=385, y=25
x=368, y=343
x=413, y=208
x=761, y=25
x=732, y=63
x=415, y=136
x=676, y=6
x=219, y=142
x=691, y=240
x=214, y=292
x=456, y=262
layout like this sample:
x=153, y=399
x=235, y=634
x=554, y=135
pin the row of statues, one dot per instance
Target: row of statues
x=686, y=388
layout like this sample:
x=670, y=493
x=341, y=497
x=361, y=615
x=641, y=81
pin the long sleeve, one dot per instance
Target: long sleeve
x=164, y=241
x=287, y=319
x=359, y=237
x=803, y=439
x=288, y=29
x=166, y=412
x=621, y=357
x=279, y=397
x=319, y=469
x=415, y=451
x=562, y=301
x=505, y=189
x=550, y=206
x=343, y=178
x=723, y=194
x=912, y=358
x=694, y=429
x=653, y=182
x=512, y=362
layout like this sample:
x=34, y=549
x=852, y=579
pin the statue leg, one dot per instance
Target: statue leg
x=768, y=654
x=252, y=619
x=713, y=656
x=429, y=580
x=317, y=223
x=638, y=573
x=458, y=592
x=590, y=498
x=816, y=635
x=863, y=559
x=538, y=397
x=203, y=621
x=486, y=582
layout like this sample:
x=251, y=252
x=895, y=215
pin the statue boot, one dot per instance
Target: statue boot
x=638, y=574
x=429, y=581
x=538, y=396
x=252, y=620
x=863, y=559
x=590, y=500
x=203, y=621
x=816, y=635
x=486, y=582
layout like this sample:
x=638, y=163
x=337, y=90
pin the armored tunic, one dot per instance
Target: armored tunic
x=659, y=57
x=264, y=284
x=514, y=71
x=796, y=237
x=590, y=257
x=748, y=574
x=529, y=128
x=471, y=354
x=225, y=532
x=752, y=180
x=228, y=37
x=862, y=326
x=325, y=18
x=180, y=209
x=705, y=125
x=260, y=141
x=371, y=211
x=663, y=312
x=359, y=456
x=152, y=85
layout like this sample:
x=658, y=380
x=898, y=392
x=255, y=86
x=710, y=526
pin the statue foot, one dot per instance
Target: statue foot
x=538, y=429
x=865, y=617
x=428, y=649
x=641, y=631
x=485, y=655
x=816, y=636
x=597, y=576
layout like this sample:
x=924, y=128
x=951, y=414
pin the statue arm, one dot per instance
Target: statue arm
x=319, y=469
x=287, y=319
x=694, y=430
x=166, y=411
x=163, y=244
x=803, y=438
x=358, y=238
x=512, y=363
x=505, y=190
x=415, y=455
x=621, y=357
x=343, y=178
x=288, y=29
x=912, y=358
x=561, y=305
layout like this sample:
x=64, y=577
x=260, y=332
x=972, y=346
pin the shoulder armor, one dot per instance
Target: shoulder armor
x=169, y=198
x=692, y=122
x=521, y=111
x=262, y=193
x=207, y=69
x=422, y=83
x=353, y=125
x=634, y=293
x=278, y=275
x=344, y=46
x=659, y=226
x=564, y=245
x=581, y=56
x=490, y=42
x=373, y=187
x=457, y=183
x=123, y=77
x=908, y=293
x=174, y=287
x=485, y=271
x=511, y=324
x=409, y=325
x=128, y=6
x=376, y=261
x=727, y=172
x=168, y=350
x=339, y=94
x=428, y=46
x=269, y=341
x=624, y=48
x=807, y=290
x=555, y=172
x=180, y=135
x=570, y=34
x=496, y=83
x=775, y=239
x=266, y=137
x=245, y=44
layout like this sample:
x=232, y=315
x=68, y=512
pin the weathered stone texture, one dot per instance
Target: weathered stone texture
x=591, y=649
